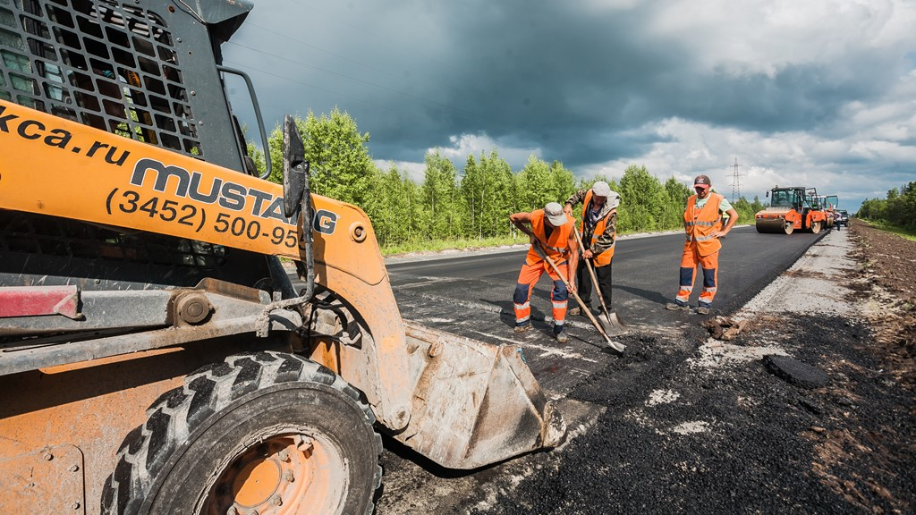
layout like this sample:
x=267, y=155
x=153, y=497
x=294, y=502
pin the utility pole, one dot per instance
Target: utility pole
x=736, y=183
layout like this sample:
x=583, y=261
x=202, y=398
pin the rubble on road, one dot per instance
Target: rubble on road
x=724, y=328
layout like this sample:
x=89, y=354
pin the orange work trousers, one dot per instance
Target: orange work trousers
x=527, y=278
x=710, y=265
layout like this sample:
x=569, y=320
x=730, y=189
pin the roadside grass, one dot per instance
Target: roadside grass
x=470, y=243
x=455, y=244
x=903, y=232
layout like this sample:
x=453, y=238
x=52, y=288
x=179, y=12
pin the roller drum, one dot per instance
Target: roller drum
x=772, y=225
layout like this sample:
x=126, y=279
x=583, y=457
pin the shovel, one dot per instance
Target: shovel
x=614, y=325
x=619, y=347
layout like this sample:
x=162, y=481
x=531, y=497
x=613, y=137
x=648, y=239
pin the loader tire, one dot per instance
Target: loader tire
x=266, y=432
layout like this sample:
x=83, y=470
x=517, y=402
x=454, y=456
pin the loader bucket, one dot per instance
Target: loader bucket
x=474, y=403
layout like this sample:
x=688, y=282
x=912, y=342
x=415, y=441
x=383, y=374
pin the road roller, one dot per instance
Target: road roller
x=794, y=208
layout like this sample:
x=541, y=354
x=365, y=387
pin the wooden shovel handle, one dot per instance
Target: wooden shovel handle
x=591, y=272
x=582, y=306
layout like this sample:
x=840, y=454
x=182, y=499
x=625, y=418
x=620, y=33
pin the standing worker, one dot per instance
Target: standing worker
x=599, y=236
x=553, y=231
x=703, y=228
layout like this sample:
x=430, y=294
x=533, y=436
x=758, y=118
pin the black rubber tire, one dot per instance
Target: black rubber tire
x=165, y=465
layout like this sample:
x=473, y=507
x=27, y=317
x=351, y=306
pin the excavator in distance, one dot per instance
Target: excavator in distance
x=155, y=356
x=791, y=209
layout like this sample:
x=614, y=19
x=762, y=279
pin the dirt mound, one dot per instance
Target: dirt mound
x=888, y=263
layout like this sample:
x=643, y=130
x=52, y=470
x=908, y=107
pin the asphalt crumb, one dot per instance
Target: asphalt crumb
x=735, y=438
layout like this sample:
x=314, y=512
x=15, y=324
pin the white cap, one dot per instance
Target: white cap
x=555, y=214
x=601, y=189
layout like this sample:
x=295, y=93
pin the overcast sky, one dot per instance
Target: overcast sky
x=815, y=93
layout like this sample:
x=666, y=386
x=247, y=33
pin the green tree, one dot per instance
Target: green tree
x=644, y=198
x=260, y=163
x=501, y=201
x=535, y=185
x=562, y=182
x=340, y=164
x=441, y=213
x=672, y=216
x=488, y=190
x=392, y=225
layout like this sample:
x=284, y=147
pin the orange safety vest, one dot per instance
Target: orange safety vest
x=556, y=247
x=605, y=257
x=700, y=223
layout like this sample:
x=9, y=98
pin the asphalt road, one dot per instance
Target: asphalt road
x=471, y=295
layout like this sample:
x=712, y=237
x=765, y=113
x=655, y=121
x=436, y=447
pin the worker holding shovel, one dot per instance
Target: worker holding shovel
x=599, y=236
x=553, y=250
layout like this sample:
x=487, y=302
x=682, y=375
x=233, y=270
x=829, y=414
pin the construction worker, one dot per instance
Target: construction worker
x=703, y=228
x=599, y=236
x=552, y=230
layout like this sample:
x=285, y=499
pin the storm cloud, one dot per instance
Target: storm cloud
x=820, y=93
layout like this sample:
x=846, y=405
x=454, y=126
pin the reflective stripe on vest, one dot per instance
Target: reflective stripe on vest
x=699, y=224
x=556, y=247
x=605, y=257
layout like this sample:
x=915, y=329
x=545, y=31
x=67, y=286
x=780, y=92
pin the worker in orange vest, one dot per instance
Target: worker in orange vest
x=599, y=237
x=553, y=231
x=702, y=223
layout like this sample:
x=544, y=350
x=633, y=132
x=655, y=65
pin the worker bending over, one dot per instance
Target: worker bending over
x=552, y=230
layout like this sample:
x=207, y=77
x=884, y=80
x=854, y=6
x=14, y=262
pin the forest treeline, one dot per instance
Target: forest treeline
x=899, y=208
x=472, y=203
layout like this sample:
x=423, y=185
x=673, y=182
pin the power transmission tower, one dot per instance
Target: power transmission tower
x=736, y=183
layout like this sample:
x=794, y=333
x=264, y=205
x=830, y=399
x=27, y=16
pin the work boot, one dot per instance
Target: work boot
x=559, y=334
x=674, y=306
x=702, y=310
x=522, y=328
x=574, y=312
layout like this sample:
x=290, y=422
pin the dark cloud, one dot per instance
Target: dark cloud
x=583, y=84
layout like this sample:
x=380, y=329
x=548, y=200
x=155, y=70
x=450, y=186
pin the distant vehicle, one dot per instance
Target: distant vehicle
x=842, y=217
x=793, y=208
x=829, y=203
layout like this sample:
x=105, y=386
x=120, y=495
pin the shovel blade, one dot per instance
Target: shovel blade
x=613, y=325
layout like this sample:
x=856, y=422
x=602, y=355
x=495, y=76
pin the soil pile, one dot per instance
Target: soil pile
x=889, y=262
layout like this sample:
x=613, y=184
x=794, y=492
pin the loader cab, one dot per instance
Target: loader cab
x=124, y=70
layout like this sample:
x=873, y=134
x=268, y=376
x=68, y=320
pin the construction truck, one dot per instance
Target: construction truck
x=156, y=357
x=791, y=209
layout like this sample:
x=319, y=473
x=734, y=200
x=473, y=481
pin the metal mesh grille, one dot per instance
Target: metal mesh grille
x=36, y=234
x=108, y=65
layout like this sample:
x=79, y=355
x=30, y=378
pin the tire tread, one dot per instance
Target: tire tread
x=176, y=414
